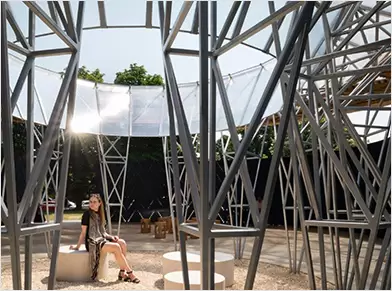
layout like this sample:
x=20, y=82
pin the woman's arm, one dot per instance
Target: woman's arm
x=106, y=235
x=82, y=236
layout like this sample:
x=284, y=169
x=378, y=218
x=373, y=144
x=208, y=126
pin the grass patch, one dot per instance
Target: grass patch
x=68, y=215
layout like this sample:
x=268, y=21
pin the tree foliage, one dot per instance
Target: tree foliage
x=94, y=76
x=136, y=76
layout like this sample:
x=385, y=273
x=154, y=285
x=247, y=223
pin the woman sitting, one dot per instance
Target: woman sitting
x=98, y=241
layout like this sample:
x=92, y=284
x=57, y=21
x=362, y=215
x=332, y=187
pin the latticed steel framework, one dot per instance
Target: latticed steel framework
x=346, y=72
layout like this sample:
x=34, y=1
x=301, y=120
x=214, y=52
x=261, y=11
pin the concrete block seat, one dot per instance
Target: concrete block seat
x=175, y=281
x=224, y=264
x=74, y=266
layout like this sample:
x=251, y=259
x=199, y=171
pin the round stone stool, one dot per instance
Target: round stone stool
x=224, y=264
x=175, y=281
x=74, y=266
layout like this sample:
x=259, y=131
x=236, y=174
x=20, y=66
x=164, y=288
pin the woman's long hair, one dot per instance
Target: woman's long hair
x=101, y=210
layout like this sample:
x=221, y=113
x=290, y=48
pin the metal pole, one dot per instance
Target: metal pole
x=123, y=185
x=301, y=26
x=173, y=147
x=212, y=141
x=30, y=150
x=13, y=229
x=165, y=148
x=60, y=199
x=204, y=163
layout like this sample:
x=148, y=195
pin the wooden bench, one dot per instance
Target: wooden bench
x=74, y=266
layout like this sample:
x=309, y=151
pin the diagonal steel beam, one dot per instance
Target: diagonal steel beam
x=338, y=164
x=376, y=218
x=253, y=125
x=241, y=18
x=21, y=80
x=60, y=14
x=227, y=24
x=195, y=22
x=350, y=81
x=44, y=153
x=301, y=28
x=71, y=30
x=185, y=137
x=362, y=147
x=383, y=29
x=298, y=200
x=320, y=11
x=383, y=68
x=244, y=172
x=53, y=12
x=268, y=44
x=15, y=27
x=186, y=6
x=291, y=6
x=347, y=39
x=50, y=23
x=336, y=54
x=18, y=49
x=166, y=24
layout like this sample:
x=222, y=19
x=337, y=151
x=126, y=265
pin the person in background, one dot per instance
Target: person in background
x=98, y=241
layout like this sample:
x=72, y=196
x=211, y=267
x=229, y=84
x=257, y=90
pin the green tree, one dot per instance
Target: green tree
x=137, y=76
x=94, y=76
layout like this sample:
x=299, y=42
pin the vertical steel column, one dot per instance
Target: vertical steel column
x=177, y=187
x=212, y=140
x=164, y=28
x=205, y=255
x=13, y=227
x=110, y=157
x=30, y=149
x=60, y=199
x=103, y=168
x=165, y=147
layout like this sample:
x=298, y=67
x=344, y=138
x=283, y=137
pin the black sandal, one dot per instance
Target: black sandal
x=126, y=278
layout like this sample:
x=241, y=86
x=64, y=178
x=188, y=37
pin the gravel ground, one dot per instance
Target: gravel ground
x=148, y=268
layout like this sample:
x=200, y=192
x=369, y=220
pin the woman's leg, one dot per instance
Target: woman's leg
x=123, y=246
x=115, y=249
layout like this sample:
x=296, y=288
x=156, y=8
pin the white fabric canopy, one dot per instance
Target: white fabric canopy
x=142, y=110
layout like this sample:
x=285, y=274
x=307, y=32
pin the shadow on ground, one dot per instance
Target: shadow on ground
x=159, y=284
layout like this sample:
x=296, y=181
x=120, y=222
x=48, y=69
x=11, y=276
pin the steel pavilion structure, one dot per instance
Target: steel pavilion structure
x=321, y=84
